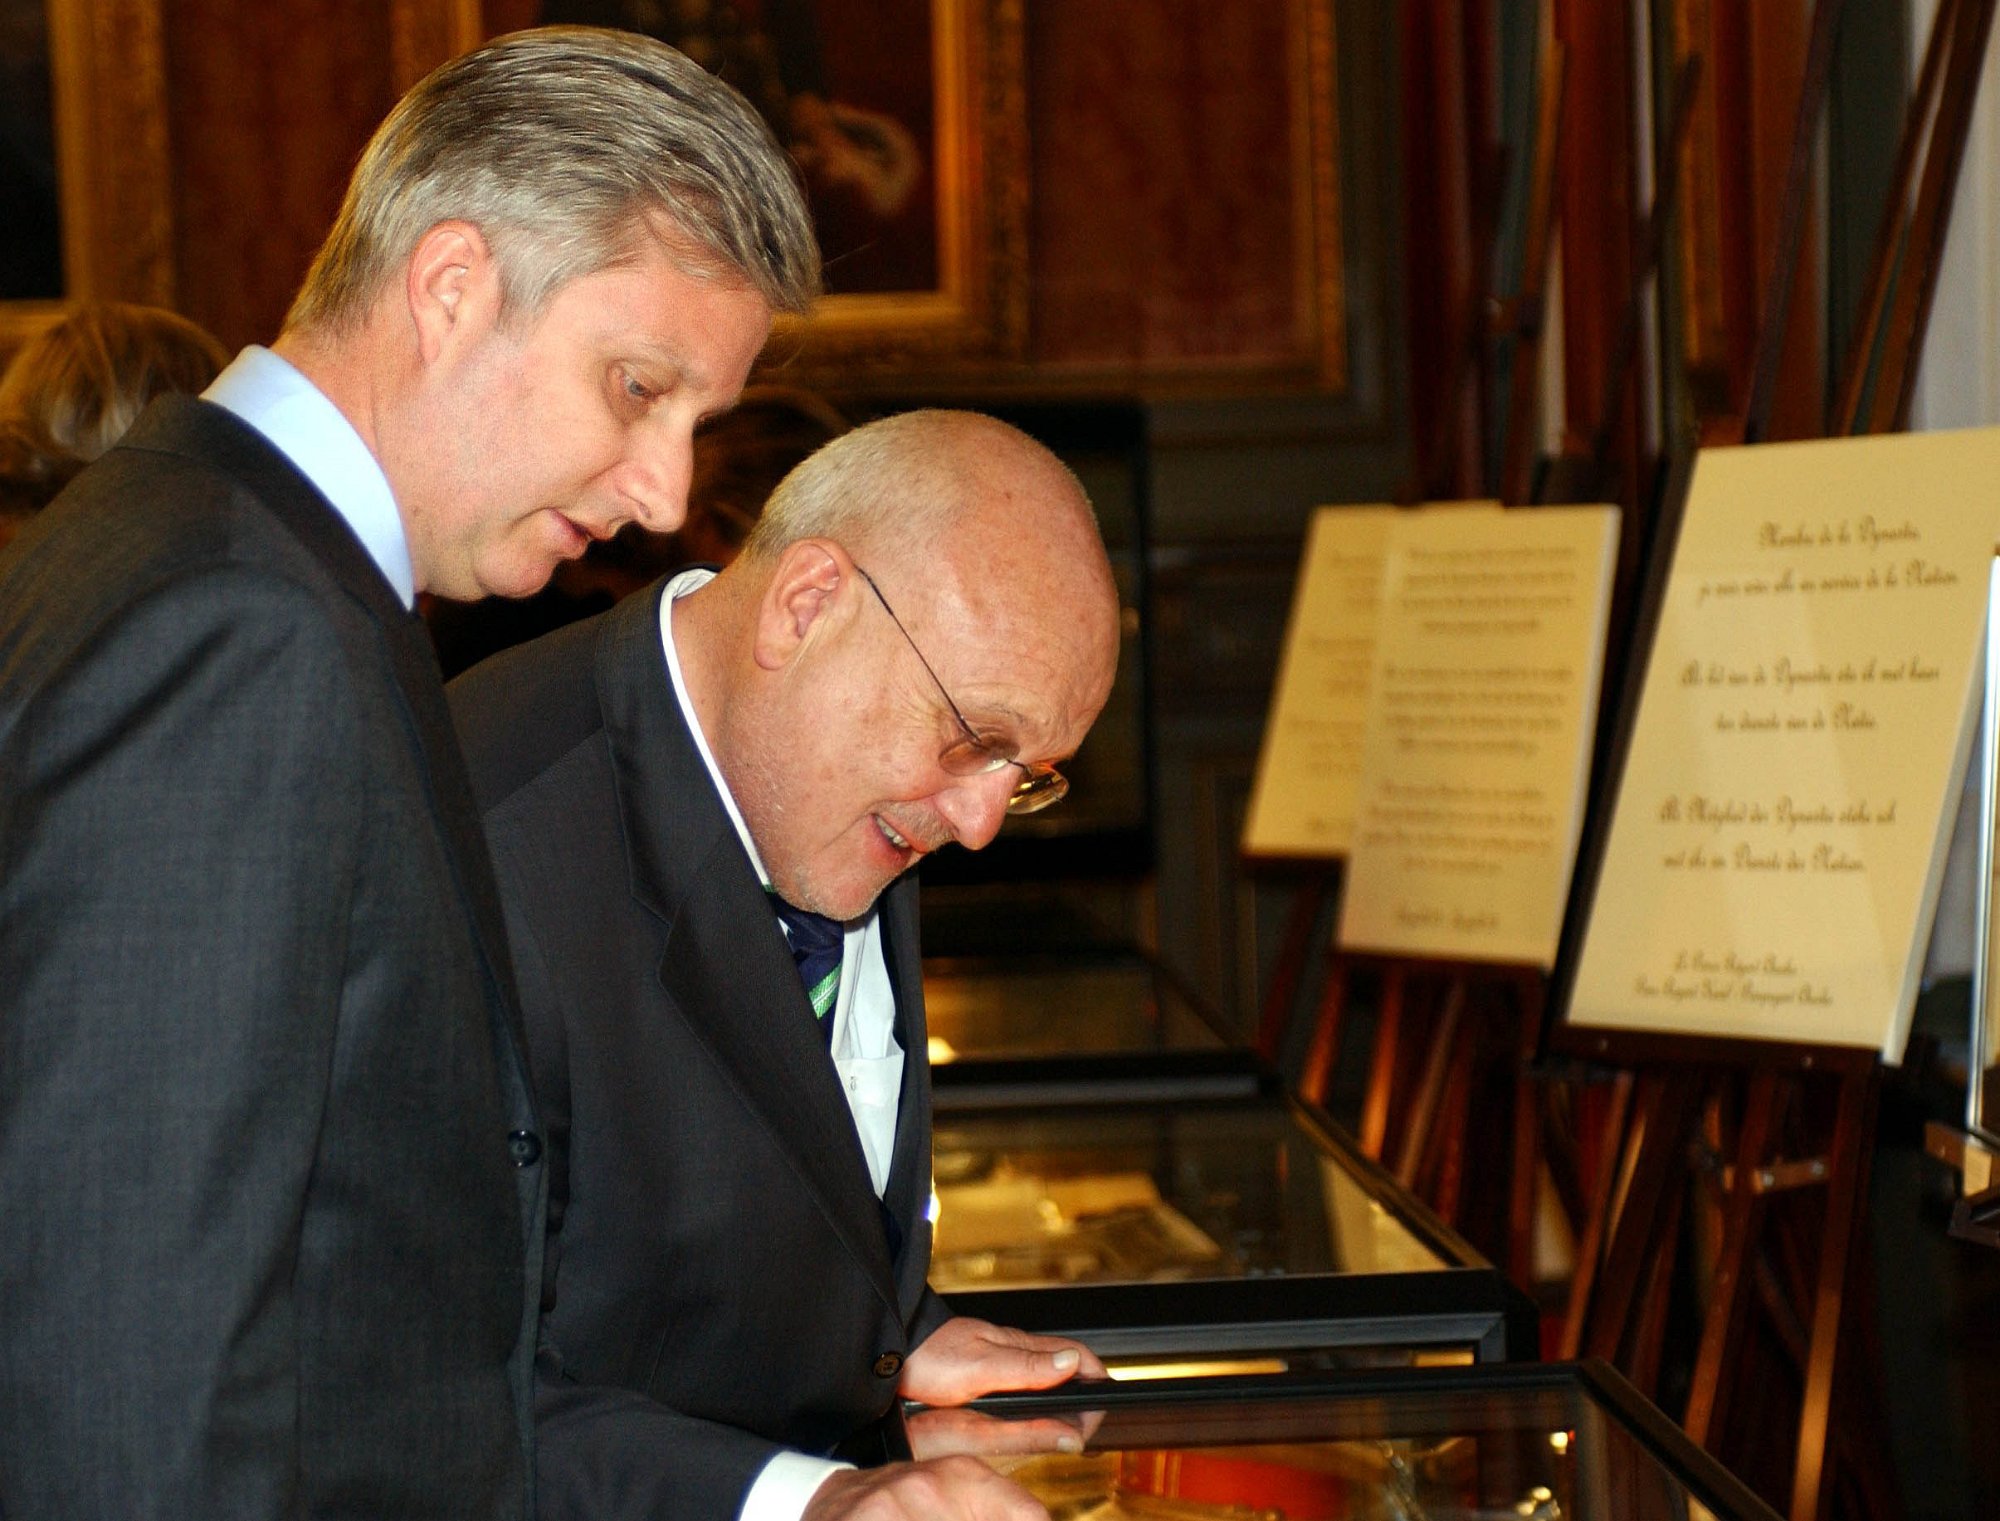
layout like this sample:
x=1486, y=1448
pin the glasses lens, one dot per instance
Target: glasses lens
x=1038, y=789
x=971, y=756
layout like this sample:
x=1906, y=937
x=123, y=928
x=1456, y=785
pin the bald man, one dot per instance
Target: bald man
x=703, y=808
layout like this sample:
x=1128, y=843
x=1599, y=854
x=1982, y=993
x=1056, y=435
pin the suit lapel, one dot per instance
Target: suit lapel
x=180, y=424
x=724, y=963
x=908, y=1193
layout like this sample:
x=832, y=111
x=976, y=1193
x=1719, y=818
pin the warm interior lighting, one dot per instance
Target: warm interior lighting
x=1209, y=1368
x=1560, y=1440
x=941, y=1051
x=1442, y=1357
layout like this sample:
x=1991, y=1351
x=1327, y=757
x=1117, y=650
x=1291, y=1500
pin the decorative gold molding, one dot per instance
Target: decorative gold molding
x=108, y=93
x=108, y=77
x=979, y=312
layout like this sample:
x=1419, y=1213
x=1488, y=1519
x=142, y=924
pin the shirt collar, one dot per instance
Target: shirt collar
x=309, y=430
x=686, y=582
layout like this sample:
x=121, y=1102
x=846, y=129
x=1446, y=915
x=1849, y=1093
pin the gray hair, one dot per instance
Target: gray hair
x=902, y=482
x=560, y=144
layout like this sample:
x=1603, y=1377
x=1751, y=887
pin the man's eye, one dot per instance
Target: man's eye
x=638, y=390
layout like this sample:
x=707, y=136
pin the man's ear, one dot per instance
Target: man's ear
x=798, y=599
x=452, y=286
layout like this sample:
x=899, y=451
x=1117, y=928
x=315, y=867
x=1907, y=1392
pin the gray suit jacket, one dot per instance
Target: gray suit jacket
x=718, y=1278
x=267, y=1245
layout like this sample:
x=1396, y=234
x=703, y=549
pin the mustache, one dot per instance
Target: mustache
x=925, y=833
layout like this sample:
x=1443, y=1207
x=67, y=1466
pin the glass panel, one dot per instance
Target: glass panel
x=1148, y=1193
x=1537, y=1454
x=1056, y=1006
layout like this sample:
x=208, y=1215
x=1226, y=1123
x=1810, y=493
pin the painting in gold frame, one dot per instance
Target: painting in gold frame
x=935, y=103
x=107, y=78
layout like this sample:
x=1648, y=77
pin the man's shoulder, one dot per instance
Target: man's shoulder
x=190, y=490
x=129, y=545
x=525, y=709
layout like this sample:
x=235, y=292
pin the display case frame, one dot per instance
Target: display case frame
x=1463, y=1307
x=1384, y=1405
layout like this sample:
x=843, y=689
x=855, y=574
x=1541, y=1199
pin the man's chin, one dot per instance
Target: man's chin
x=845, y=903
x=515, y=581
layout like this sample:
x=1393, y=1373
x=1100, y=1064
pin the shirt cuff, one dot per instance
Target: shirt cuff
x=786, y=1486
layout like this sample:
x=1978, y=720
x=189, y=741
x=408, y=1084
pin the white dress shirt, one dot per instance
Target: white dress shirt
x=865, y=1054
x=295, y=416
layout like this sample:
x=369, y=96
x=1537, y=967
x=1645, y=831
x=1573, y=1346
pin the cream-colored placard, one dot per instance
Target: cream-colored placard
x=1780, y=827
x=1478, y=730
x=1302, y=801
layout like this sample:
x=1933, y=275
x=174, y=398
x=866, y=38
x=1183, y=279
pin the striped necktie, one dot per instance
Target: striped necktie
x=816, y=943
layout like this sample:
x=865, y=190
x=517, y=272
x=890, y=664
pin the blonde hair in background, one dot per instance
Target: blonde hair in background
x=73, y=389
x=565, y=146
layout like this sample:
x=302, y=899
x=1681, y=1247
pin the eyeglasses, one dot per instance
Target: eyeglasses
x=971, y=754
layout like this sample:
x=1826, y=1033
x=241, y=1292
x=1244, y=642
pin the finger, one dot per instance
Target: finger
x=1053, y=1364
x=1090, y=1365
x=943, y=1433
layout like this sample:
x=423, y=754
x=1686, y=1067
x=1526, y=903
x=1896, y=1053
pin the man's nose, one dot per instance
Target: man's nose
x=976, y=806
x=654, y=478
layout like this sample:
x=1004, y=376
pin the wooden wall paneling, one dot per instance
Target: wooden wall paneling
x=110, y=89
x=424, y=33
x=1443, y=276
x=1597, y=185
x=1186, y=213
x=269, y=103
x=1218, y=617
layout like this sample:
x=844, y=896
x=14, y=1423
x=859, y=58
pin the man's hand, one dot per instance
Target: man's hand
x=965, y=1358
x=939, y=1433
x=946, y=1489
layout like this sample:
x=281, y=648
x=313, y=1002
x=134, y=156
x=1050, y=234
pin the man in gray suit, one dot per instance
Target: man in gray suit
x=272, y=1176
x=922, y=624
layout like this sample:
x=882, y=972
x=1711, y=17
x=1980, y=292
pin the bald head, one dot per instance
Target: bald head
x=905, y=484
x=831, y=709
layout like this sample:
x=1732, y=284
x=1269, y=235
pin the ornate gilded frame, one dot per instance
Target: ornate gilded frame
x=108, y=79
x=979, y=308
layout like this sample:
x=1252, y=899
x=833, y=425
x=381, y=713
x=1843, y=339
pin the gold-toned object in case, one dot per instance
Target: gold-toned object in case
x=1014, y=1228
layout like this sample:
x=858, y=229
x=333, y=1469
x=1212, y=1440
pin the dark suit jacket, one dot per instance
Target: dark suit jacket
x=266, y=1243
x=718, y=1277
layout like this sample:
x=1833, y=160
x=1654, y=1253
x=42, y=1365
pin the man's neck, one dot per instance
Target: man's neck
x=700, y=628
x=339, y=375
x=346, y=370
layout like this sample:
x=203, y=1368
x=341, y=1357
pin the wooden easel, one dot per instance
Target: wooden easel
x=1317, y=886
x=1878, y=375
x=1811, y=1286
x=1425, y=1063
x=1808, y=1281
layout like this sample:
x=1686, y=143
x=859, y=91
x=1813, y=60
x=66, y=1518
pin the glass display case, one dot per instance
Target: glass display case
x=1549, y=1442
x=984, y=1010
x=1238, y=1226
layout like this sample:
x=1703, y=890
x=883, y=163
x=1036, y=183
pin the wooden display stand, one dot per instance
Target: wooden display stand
x=1775, y=1143
x=1440, y=1027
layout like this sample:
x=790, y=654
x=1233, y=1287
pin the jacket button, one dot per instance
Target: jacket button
x=888, y=1365
x=525, y=1147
